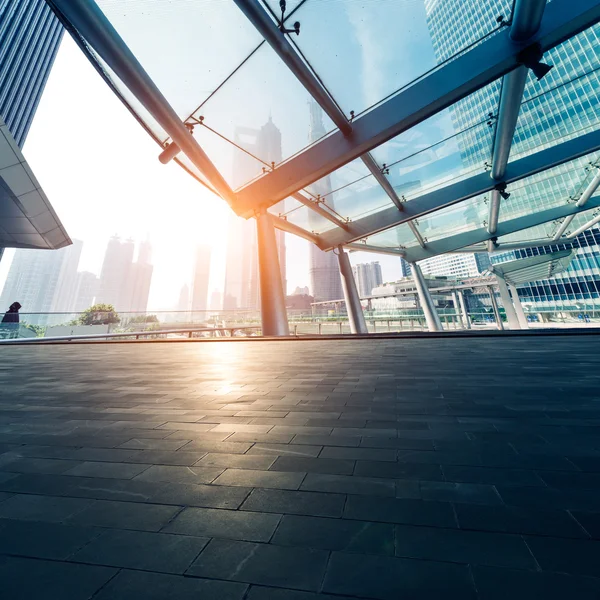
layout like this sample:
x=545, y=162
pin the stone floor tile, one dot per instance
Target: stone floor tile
x=266, y=593
x=263, y=564
x=41, y=508
x=212, y=446
x=386, y=578
x=207, y=496
x=500, y=584
x=343, y=484
x=469, y=547
x=325, y=440
x=154, y=444
x=399, y=470
x=175, y=474
x=143, y=550
x=124, y=515
x=165, y=457
x=335, y=534
x=384, y=454
x=296, y=503
x=515, y=519
x=313, y=465
x=470, y=493
x=236, y=461
x=46, y=466
x=106, y=470
x=30, y=578
x=394, y=510
x=590, y=522
x=576, y=557
x=43, y=540
x=235, y=525
x=260, y=479
x=492, y=476
x=294, y=450
x=134, y=585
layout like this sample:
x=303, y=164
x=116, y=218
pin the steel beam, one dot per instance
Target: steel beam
x=440, y=88
x=85, y=18
x=586, y=226
x=374, y=249
x=492, y=295
x=314, y=206
x=356, y=317
x=469, y=238
x=511, y=314
x=518, y=307
x=285, y=225
x=463, y=309
x=585, y=196
x=272, y=297
x=427, y=304
x=465, y=189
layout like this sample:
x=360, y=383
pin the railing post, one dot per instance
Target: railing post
x=272, y=299
x=518, y=307
x=511, y=314
x=425, y=299
x=499, y=324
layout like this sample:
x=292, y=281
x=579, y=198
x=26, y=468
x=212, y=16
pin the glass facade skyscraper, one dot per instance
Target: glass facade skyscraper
x=564, y=104
x=30, y=35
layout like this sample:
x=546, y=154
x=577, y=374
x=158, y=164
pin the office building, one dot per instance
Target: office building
x=116, y=271
x=455, y=266
x=242, y=288
x=35, y=280
x=325, y=280
x=200, y=280
x=86, y=289
x=367, y=277
x=405, y=269
x=573, y=89
x=139, y=280
x=183, y=304
x=30, y=35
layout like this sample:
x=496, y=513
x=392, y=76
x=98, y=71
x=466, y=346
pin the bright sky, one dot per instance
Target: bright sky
x=101, y=173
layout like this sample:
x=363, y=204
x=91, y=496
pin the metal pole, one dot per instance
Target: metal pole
x=518, y=307
x=272, y=299
x=463, y=309
x=356, y=318
x=425, y=299
x=511, y=315
x=495, y=308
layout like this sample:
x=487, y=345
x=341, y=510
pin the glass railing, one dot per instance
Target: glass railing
x=247, y=322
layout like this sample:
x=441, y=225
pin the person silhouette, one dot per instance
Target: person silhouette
x=12, y=314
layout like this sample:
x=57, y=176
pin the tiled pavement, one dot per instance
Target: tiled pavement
x=408, y=468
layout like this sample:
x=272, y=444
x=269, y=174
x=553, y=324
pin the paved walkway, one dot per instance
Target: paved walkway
x=401, y=469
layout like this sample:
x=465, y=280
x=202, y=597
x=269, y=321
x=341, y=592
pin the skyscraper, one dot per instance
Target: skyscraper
x=201, y=277
x=29, y=38
x=116, y=270
x=325, y=279
x=242, y=289
x=183, y=304
x=86, y=289
x=215, y=300
x=139, y=280
x=565, y=102
x=367, y=276
x=36, y=278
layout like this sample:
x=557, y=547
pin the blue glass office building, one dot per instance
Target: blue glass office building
x=564, y=104
x=30, y=35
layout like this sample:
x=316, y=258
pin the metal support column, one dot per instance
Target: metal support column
x=425, y=299
x=272, y=298
x=495, y=308
x=518, y=307
x=463, y=309
x=356, y=317
x=511, y=314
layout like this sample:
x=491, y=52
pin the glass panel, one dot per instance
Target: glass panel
x=565, y=103
x=400, y=236
x=554, y=187
x=304, y=217
x=539, y=232
x=364, y=54
x=459, y=218
x=188, y=47
x=264, y=105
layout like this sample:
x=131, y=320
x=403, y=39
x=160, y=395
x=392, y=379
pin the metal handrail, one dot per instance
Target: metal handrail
x=136, y=334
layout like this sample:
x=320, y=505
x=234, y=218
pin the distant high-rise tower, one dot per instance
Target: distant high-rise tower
x=183, y=305
x=116, y=270
x=34, y=280
x=405, y=268
x=201, y=277
x=85, y=290
x=242, y=289
x=30, y=35
x=139, y=280
x=368, y=276
x=215, y=300
x=324, y=272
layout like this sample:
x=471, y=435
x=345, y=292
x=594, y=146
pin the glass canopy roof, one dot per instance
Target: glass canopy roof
x=398, y=124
